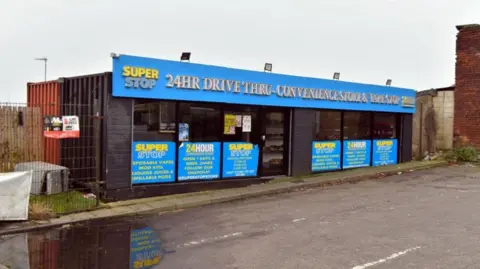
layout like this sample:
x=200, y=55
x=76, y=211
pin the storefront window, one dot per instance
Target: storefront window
x=153, y=121
x=326, y=147
x=240, y=142
x=385, y=144
x=200, y=122
x=357, y=140
x=153, y=147
x=199, y=134
x=240, y=125
x=384, y=126
x=356, y=125
x=327, y=125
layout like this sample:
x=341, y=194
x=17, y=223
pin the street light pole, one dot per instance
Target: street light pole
x=44, y=59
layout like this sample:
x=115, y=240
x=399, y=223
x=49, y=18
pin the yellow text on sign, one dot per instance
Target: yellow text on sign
x=151, y=147
x=147, y=263
x=138, y=72
x=324, y=145
x=240, y=147
x=357, y=145
x=384, y=143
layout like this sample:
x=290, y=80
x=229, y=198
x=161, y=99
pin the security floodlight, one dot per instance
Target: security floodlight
x=389, y=82
x=268, y=67
x=336, y=76
x=114, y=55
x=185, y=57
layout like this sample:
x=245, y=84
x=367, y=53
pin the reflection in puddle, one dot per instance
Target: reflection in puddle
x=118, y=245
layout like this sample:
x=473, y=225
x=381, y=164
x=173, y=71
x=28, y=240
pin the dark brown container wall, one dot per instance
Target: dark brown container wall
x=83, y=97
x=46, y=95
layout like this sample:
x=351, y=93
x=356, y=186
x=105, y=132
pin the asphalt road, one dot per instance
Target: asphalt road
x=426, y=219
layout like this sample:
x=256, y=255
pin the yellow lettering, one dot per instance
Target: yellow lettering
x=151, y=147
x=154, y=74
x=126, y=71
x=130, y=71
x=240, y=147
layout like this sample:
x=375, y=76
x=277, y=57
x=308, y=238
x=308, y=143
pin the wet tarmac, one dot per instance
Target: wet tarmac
x=423, y=219
x=117, y=243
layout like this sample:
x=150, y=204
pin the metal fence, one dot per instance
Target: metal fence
x=65, y=163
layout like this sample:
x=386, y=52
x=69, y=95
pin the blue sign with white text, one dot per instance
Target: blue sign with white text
x=240, y=159
x=153, y=162
x=385, y=152
x=145, y=249
x=356, y=153
x=325, y=155
x=139, y=77
x=199, y=161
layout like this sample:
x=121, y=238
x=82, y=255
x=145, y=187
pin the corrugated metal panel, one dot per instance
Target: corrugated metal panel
x=46, y=96
x=83, y=96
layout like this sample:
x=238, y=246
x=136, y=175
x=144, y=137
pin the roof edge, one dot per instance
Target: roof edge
x=462, y=26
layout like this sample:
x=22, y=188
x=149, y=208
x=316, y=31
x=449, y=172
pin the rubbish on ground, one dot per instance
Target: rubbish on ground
x=89, y=196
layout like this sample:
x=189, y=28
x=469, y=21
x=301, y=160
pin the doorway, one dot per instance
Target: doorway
x=275, y=138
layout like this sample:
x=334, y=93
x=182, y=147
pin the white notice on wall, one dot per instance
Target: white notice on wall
x=247, y=124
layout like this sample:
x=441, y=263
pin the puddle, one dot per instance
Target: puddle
x=103, y=245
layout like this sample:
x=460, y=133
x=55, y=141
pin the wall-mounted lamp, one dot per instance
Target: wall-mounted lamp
x=114, y=55
x=336, y=75
x=389, y=82
x=185, y=56
x=268, y=67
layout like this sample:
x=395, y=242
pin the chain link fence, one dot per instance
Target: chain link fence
x=61, y=147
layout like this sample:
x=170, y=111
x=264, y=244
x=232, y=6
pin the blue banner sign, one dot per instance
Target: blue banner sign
x=325, y=155
x=153, y=162
x=240, y=159
x=145, y=249
x=138, y=77
x=199, y=161
x=356, y=153
x=385, y=152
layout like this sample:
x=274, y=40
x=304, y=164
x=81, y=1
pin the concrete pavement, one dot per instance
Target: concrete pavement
x=184, y=201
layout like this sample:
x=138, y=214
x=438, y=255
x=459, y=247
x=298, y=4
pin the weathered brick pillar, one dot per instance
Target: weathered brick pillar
x=467, y=85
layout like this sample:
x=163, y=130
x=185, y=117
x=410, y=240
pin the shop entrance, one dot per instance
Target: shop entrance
x=268, y=129
x=274, y=138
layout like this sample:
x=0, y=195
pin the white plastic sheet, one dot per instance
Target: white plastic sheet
x=14, y=195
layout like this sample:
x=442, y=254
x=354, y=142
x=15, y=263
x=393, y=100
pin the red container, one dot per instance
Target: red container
x=46, y=96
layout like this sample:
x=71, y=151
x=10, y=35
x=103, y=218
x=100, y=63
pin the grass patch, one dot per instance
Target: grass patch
x=62, y=203
x=39, y=211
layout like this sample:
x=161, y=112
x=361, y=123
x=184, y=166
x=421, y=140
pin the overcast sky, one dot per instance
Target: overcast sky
x=409, y=41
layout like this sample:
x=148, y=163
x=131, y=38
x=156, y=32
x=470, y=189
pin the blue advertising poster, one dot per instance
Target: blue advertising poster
x=153, y=162
x=356, y=153
x=138, y=77
x=385, y=152
x=145, y=249
x=199, y=160
x=240, y=159
x=325, y=155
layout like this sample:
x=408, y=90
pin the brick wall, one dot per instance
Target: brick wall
x=467, y=80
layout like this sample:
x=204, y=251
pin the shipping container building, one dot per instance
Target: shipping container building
x=81, y=96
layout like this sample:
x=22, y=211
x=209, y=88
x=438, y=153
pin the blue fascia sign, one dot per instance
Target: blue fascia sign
x=138, y=77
